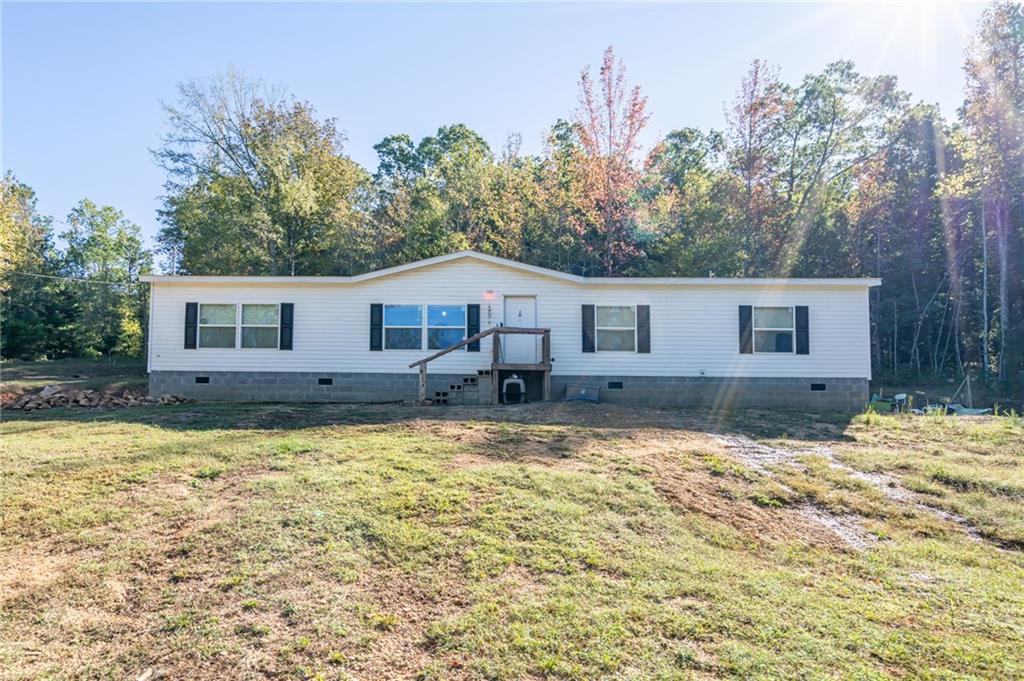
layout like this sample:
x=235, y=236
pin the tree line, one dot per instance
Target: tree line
x=839, y=174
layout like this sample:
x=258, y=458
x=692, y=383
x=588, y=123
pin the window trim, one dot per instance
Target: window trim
x=598, y=328
x=242, y=325
x=754, y=328
x=237, y=326
x=427, y=327
x=385, y=326
x=424, y=326
x=200, y=325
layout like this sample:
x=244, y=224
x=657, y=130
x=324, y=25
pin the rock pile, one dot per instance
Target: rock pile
x=55, y=396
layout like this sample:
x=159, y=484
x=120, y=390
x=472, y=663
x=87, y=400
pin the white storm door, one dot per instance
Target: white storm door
x=520, y=311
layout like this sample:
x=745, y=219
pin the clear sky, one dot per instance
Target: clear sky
x=82, y=83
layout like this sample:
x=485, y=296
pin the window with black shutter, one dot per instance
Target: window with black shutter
x=473, y=326
x=588, y=328
x=803, y=331
x=643, y=328
x=746, y=329
x=191, y=325
x=287, y=326
x=376, y=326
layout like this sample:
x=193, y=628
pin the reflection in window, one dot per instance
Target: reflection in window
x=216, y=326
x=616, y=328
x=403, y=327
x=773, y=329
x=260, y=326
x=446, y=325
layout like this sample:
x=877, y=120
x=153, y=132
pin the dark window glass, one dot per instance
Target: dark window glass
x=773, y=341
x=216, y=336
x=403, y=339
x=259, y=336
x=438, y=339
x=616, y=340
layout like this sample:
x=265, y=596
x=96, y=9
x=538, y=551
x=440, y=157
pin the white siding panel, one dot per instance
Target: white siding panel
x=693, y=328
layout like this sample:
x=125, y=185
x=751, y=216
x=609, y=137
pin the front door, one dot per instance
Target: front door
x=520, y=311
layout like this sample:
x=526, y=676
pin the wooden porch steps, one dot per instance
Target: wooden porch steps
x=487, y=394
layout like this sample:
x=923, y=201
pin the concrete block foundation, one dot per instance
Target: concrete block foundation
x=810, y=394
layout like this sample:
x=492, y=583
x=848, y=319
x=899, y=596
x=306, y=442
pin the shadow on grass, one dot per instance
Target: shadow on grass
x=76, y=373
x=299, y=416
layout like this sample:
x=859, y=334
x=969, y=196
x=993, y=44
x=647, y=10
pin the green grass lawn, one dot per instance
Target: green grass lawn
x=117, y=372
x=545, y=541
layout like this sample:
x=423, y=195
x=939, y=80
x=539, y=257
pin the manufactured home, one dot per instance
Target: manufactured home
x=470, y=323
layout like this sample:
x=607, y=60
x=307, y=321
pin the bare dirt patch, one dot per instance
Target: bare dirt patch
x=699, y=492
x=763, y=457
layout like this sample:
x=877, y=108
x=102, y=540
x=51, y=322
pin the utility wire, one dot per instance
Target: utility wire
x=86, y=281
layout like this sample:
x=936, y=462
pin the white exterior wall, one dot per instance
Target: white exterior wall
x=694, y=327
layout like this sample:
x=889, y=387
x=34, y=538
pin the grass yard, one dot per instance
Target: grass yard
x=80, y=373
x=573, y=541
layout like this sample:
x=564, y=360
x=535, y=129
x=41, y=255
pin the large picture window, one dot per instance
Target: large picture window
x=403, y=327
x=260, y=326
x=217, y=326
x=446, y=325
x=773, y=329
x=616, y=328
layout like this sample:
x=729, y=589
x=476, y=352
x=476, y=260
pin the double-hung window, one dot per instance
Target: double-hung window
x=217, y=324
x=403, y=327
x=446, y=325
x=615, y=328
x=245, y=325
x=773, y=329
x=260, y=326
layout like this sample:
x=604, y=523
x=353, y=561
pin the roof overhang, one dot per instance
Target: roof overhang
x=512, y=264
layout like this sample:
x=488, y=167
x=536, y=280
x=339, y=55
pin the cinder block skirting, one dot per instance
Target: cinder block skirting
x=295, y=386
x=840, y=394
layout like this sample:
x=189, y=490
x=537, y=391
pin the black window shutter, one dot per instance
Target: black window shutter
x=588, y=328
x=473, y=326
x=746, y=329
x=643, y=328
x=191, y=325
x=287, y=325
x=376, y=326
x=803, y=336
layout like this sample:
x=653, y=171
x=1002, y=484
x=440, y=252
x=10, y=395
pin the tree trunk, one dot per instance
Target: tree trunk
x=1002, y=242
x=984, y=297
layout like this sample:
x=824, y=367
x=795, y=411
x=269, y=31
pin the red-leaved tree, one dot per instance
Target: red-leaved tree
x=609, y=123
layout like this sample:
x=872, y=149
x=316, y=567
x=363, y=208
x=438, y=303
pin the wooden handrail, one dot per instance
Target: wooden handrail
x=497, y=331
x=477, y=336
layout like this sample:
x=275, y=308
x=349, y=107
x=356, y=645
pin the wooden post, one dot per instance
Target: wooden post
x=423, y=382
x=495, y=356
x=546, y=360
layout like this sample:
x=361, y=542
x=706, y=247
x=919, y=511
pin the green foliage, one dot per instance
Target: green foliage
x=105, y=248
x=84, y=300
x=834, y=175
x=258, y=185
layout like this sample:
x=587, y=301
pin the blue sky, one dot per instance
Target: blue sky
x=82, y=82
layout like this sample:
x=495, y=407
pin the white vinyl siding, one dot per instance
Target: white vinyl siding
x=696, y=330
